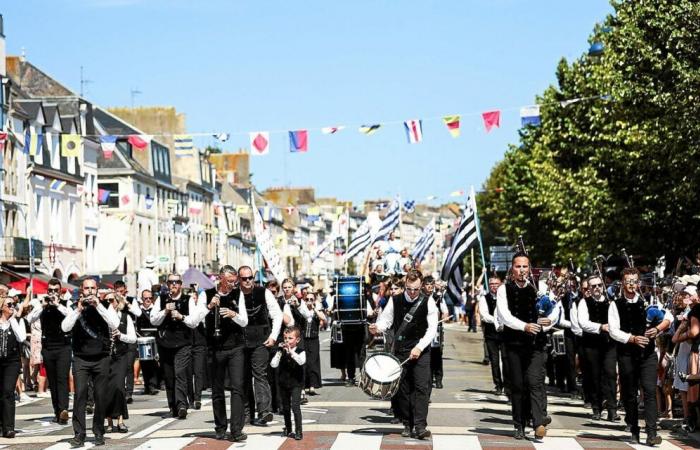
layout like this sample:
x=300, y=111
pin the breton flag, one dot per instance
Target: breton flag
x=390, y=222
x=409, y=206
x=369, y=129
x=184, y=147
x=465, y=237
x=425, y=242
x=360, y=240
x=332, y=130
x=109, y=145
x=298, y=141
x=452, y=124
x=259, y=142
x=414, y=130
x=530, y=115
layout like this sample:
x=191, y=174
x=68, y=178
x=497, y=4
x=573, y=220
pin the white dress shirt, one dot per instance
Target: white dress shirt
x=134, y=307
x=573, y=314
x=386, y=319
x=18, y=330
x=299, y=358
x=584, y=320
x=197, y=311
x=241, y=318
x=130, y=336
x=108, y=314
x=506, y=318
x=38, y=308
x=614, y=321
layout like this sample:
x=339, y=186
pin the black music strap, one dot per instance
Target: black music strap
x=408, y=318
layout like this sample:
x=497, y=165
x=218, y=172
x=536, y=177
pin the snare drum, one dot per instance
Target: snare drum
x=148, y=351
x=558, y=343
x=380, y=376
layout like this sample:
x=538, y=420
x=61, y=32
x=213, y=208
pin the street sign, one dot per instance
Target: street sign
x=164, y=259
x=501, y=256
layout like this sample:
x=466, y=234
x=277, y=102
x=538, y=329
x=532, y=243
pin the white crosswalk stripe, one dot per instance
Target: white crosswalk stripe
x=356, y=441
x=66, y=446
x=557, y=443
x=455, y=442
x=165, y=444
x=665, y=445
x=260, y=442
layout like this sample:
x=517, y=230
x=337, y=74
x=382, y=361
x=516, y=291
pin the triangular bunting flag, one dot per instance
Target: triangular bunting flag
x=140, y=141
x=298, y=141
x=452, y=124
x=530, y=115
x=369, y=129
x=414, y=131
x=3, y=140
x=259, y=142
x=491, y=119
x=223, y=137
x=331, y=130
x=70, y=145
x=108, y=145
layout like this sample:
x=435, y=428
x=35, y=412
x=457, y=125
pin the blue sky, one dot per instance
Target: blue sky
x=239, y=66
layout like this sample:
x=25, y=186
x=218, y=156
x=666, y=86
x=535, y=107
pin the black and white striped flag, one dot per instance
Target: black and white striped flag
x=390, y=222
x=465, y=237
x=360, y=240
x=425, y=242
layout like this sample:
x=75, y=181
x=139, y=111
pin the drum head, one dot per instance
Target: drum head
x=145, y=340
x=383, y=367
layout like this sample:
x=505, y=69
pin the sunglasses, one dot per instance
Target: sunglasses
x=147, y=298
x=10, y=304
x=247, y=278
x=310, y=299
x=53, y=290
x=593, y=286
x=631, y=282
x=110, y=299
x=174, y=281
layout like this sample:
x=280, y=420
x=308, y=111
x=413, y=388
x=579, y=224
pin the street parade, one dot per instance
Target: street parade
x=520, y=276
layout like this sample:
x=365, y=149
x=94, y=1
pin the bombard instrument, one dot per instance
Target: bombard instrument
x=217, y=317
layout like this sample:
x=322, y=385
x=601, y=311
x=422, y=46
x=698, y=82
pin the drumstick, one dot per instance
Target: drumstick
x=407, y=359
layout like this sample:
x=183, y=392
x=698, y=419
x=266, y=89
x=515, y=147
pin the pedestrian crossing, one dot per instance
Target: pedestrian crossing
x=359, y=441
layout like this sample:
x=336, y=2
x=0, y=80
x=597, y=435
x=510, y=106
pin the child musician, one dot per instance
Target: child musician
x=290, y=359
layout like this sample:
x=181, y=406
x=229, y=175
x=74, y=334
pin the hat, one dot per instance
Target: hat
x=149, y=262
x=13, y=292
x=691, y=290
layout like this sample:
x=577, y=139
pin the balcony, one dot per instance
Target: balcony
x=17, y=249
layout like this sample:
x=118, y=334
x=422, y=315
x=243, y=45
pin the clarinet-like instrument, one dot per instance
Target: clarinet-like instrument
x=217, y=317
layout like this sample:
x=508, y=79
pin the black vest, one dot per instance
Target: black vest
x=52, y=336
x=566, y=306
x=416, y=329
x=91, y=335
x=522, y=304
x=633, y=320
x=291, y=374
x=231, y=332
x=281, y=302
x=299, y=321
x=143, y=323
x=120, y=348
x=9, y=345
x=597, y=312
x=310, y=328
x=174, y=333
x=258, y=329
x=489, y=328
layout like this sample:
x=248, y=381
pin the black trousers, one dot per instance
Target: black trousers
x=131, y=359
x=436, y=363
x=197, y=374
x=495, y=352
x=57, y=362
x=526, y=368
x=601, y=363
x=570, y=345
x=414, y=390
x=257, y=360
x=291, y=403
x=312, y=367
x=175, y=363
x=9, y=371
x=638, y=369
x=85, y=369
x=354, y=342
x=149, y=370
x=232, y=362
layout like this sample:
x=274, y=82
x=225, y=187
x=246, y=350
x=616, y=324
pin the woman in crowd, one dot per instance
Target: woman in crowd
x=11, y=337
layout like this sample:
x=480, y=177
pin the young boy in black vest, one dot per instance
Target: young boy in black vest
x=290, y=360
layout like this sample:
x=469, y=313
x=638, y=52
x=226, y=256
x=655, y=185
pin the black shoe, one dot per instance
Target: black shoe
x=286, y=432
x=519, y=433
x=129, y=400
x=154, y=392
x=395, y=421
x=547, y=420
x=406, y=431
x=89, y=409
x=240, y=437
x=422, y=434
x=613, y=416
x=99, y=440
x=350, y=382
x=596, y=415
x=258, y=422
x=298, y=436
x=182, y=413
x=76, y=442
x=304, y=401
x=438, y=384
x=498, y=390
x=485, y=362
x=220, y=435
x=197, y=405
x=267, y=416
x=634, y=439
x=587, y=405
x=653, y=440
x=9, y=434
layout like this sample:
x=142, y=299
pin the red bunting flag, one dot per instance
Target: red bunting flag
x=491, y=119
x=3, y=139
x=298, y=141
x=140, y=141
x=259, y=142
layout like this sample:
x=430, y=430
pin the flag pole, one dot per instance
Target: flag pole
x=481, y=241
x=347, y=240
x=473, y=280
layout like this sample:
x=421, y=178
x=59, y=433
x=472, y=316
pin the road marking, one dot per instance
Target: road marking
x=665, y=445
x=557, y=443
x=66, y=446
x=353, y=441
x=455, y=442
x=260, y=442
x=145, y=432
x=165, y=444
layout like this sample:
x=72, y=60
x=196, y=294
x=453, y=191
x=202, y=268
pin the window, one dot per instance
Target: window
x=108, y=194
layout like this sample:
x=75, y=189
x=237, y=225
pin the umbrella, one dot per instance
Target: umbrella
x=194, y=276
x=38, y=286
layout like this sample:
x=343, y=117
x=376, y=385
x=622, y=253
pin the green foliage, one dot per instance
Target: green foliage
x=618, y=171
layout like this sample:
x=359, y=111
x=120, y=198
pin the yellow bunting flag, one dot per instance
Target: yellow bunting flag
x=452, y=124
x=70, y=145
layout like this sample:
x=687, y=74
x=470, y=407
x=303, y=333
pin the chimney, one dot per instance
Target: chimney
x=3, y=68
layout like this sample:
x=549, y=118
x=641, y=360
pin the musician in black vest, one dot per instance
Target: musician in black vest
x=134, y=311
x=413, y=318
x=436, y=372
x=260, y=337
x=566, y=364
x=12, y=334
x=92, y=323
x=176, y=315
x=310, y=327
x=494, y=344
x=226, y=344
x=55, y=346
x=599, y=350
x=636, y=354
x=525, y=341
x=197, y=379
x=149, y=368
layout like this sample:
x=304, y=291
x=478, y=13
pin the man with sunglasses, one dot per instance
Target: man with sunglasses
x=636, y=354
x=264, y=322
x=414, y=319
x=92, y=324
x=149, y=368
x=55, y=346
x=599, y=350
x=176, y=315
